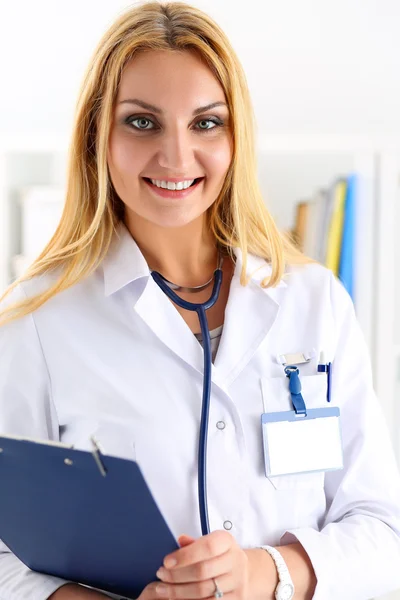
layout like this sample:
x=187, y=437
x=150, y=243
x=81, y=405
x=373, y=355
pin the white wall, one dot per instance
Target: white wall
x=312, y=65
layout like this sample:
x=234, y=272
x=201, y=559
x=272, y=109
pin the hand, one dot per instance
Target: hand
x=216, y=555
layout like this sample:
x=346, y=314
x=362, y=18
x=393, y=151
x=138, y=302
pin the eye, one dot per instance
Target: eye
x=142, y=121
x=215, y=122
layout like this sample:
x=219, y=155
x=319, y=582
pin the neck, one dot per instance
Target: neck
x=185, y=255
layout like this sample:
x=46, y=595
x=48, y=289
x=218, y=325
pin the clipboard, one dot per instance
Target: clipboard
x=85, y=517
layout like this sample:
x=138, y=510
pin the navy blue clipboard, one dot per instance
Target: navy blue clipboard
x=61, y=516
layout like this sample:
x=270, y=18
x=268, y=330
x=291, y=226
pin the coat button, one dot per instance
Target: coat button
x=221, y=425
x=228, y=525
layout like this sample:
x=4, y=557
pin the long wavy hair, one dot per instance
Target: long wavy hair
x=92, y=210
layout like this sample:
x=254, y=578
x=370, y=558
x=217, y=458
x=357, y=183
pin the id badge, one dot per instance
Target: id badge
x=302, y=443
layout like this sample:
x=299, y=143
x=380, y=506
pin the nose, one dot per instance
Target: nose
x=177, y=151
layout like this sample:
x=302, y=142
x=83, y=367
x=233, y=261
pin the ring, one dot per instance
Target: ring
x=218, y=593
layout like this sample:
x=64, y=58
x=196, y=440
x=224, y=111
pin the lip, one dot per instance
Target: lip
x=173, y=193
x=174, y=179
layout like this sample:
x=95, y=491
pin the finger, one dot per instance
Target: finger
x=197, y=590
x=201, y=571
x=205, y=547
x=149, y=592
x=185, y=540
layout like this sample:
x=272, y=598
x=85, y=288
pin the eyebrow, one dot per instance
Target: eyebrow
x=159, y=111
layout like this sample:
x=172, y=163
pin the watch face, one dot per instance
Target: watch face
x=286, y=591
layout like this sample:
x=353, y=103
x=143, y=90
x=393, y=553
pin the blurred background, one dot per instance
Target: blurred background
x=324, y=76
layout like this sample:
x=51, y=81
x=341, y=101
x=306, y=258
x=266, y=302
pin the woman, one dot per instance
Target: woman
x=104, y=351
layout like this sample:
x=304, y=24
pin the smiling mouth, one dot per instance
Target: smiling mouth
x=162, y=188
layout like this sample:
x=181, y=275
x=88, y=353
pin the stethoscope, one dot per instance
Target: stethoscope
x=201, y=312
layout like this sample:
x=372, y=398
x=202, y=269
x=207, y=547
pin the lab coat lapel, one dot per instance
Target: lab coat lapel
x=125, y=265
x=164, y=320
x=249, y=315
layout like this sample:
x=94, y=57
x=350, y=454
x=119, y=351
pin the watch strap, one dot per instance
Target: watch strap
x=281, y=566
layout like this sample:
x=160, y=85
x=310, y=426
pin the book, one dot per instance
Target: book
x=335, y=233
x=346, y=264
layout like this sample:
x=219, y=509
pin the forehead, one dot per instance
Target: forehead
x=170, y=79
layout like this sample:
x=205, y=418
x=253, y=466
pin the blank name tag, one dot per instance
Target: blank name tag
x=296, y=444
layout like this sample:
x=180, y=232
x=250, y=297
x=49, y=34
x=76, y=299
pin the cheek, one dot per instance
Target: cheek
x=219, y=158
x=124, y=160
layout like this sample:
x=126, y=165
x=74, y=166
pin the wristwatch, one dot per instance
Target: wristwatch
x=285, y=588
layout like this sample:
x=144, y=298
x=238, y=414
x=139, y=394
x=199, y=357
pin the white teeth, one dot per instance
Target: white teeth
x=169, y=185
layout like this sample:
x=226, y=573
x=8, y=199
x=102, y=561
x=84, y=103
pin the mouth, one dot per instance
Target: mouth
x=191, y=185
x=165, y=193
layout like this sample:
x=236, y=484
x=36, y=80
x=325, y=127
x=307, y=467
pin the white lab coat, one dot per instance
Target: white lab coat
x=111, y=356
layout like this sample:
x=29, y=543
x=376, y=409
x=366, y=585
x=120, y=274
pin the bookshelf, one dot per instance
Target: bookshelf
x=293, y=173
x=24, y=161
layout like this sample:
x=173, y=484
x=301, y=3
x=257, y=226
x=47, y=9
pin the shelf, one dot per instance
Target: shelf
x=292, y=143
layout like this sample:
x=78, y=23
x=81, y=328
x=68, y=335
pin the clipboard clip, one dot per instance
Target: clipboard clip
x=96, y=453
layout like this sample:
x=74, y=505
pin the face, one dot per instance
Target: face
x=172, y=138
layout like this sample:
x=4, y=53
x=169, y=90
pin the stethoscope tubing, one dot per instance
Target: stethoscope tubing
x=205, y=410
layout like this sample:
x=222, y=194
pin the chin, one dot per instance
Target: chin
x=173, y=222
x=169, y=217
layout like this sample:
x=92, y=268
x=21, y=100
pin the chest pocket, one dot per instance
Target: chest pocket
x=276, y=398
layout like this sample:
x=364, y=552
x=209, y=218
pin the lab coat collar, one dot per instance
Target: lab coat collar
x=249, y=315
x=257, y=268
x=125, y=263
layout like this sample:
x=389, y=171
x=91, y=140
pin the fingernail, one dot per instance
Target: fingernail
x=162, y=590
x=169, y=563
x=161, y=573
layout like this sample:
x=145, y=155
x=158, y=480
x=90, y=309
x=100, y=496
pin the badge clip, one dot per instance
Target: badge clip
x=292, y=372
x=296, y=358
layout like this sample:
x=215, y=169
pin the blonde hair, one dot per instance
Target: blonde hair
x=92, y=210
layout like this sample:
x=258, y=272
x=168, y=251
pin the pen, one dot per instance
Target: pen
x=324, y=367
x=329, y=378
